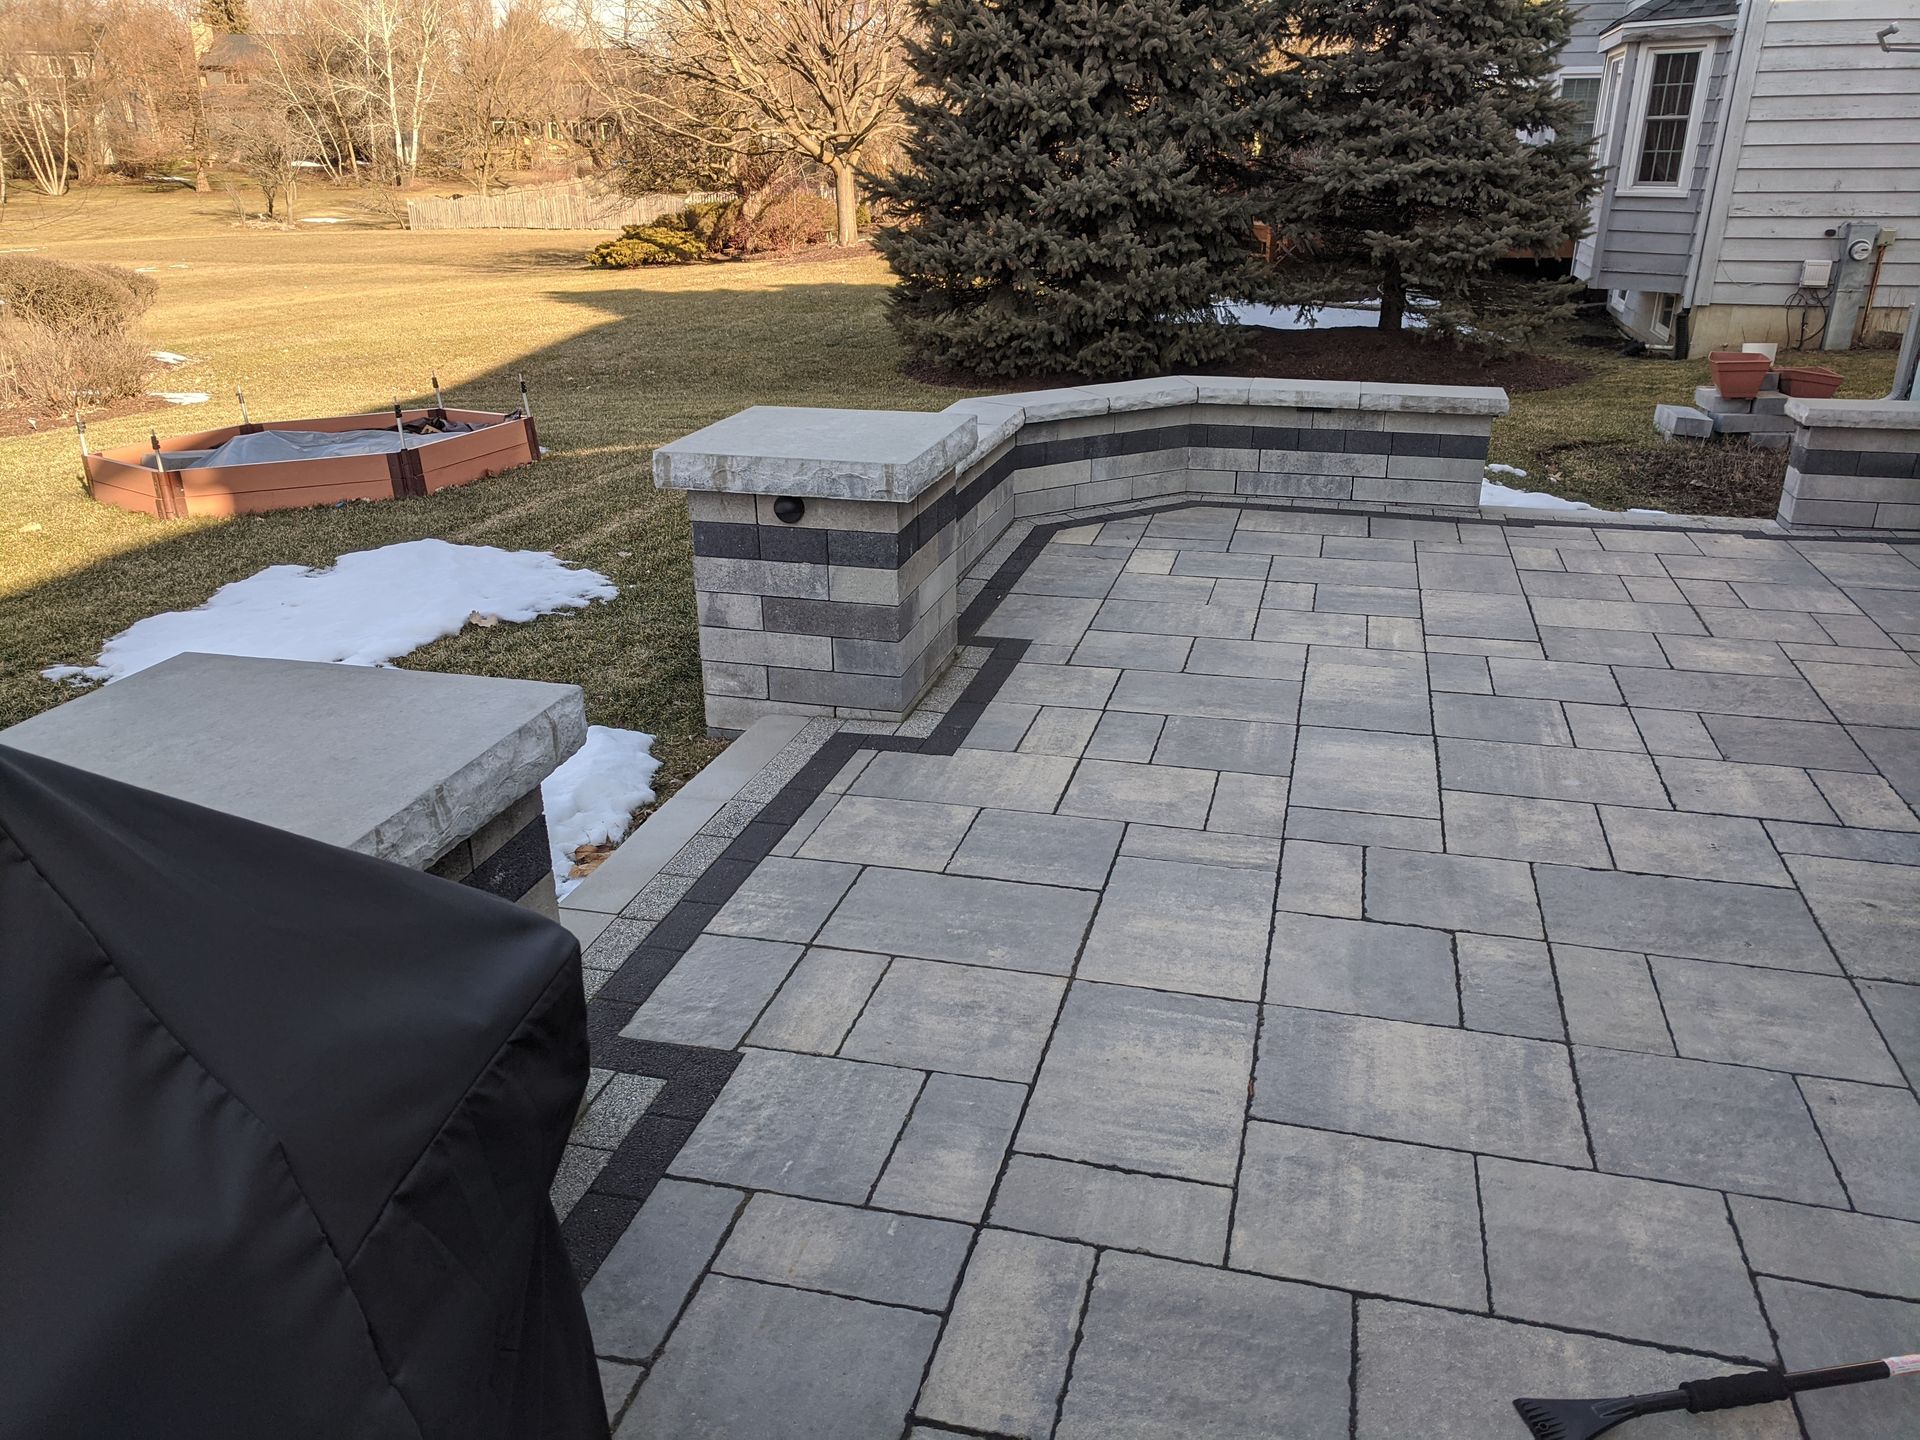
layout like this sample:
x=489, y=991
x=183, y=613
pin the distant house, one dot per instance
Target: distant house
x=229, y=62
x=1760, y=168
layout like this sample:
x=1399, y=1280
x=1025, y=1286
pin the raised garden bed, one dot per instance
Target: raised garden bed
x=172, y=485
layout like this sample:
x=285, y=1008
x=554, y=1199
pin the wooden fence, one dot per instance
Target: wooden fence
x=578, y=206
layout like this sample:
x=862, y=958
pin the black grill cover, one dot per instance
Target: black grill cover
x=277, y=1123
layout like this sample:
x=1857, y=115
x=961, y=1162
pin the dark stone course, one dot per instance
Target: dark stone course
x=842, y=619
x=793, y=545
x=514, y=869
x=718, y=540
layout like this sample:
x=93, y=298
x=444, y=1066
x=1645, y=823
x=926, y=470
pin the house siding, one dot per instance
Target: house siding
x=1831, y=134
x=1646, y=242
x=1590, y=21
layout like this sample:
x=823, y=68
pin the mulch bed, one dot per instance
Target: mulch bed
x=1406, y=359
x=18, y=422
x=1358, y=353
x=1713, y=477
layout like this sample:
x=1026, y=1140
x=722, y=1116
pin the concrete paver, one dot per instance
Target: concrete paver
x=1334, y=927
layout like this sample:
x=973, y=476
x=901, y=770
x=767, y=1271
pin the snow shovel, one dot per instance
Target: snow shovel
x=1583, y=1419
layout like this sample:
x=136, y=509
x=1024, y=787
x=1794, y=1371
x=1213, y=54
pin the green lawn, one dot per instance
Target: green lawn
x=328, y=318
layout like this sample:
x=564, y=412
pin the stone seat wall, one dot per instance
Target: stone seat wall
x=850, y=607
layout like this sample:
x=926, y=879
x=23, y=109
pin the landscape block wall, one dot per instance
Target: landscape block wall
x=849, y=608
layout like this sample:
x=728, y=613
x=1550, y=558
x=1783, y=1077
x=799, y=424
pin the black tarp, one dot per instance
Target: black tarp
x=277, y=1123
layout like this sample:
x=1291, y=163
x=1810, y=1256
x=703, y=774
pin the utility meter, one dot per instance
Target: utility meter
x=1860, y=250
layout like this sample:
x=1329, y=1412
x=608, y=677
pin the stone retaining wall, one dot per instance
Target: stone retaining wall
x=1853, y=464
x=848, y=607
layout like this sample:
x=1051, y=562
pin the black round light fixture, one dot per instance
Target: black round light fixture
x=788, y=509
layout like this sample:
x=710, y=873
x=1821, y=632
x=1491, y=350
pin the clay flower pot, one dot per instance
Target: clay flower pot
x=1737, y=375
x=1809, y=382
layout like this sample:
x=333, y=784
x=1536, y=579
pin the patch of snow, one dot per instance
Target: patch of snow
x=167, y=357
x=591, y=798
x=1495, y=494
x=369, y=608
x=1325, y=317
x=322, y=220
x=180, y=397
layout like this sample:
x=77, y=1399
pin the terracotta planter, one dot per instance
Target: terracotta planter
x=1809, y=382
x=1737, y=375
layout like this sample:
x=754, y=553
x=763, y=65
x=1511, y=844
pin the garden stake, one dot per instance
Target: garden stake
x=1583, y=1419
x=80, y=429
x=526, y=405
x=241, y=396
x=439, y=404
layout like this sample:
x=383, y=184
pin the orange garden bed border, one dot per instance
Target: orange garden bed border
x=125, y=475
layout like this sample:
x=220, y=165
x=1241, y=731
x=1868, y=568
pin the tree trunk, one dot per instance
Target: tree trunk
x=846, y=204
x=1393, y=299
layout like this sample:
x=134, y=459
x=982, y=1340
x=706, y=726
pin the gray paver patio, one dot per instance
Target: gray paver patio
x=1498, y=948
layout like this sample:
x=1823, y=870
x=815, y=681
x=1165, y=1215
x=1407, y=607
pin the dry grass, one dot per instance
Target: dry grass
x=1595, y=440
x=324, y=318
x=331, y=317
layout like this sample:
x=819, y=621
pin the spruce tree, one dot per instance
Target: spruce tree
x=1073, y=193
x=1422, y=152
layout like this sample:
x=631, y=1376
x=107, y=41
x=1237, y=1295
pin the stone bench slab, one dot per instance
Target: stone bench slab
x=399, y=764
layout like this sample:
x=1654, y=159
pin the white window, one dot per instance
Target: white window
x=1664, y=307
x=1609, y=97
x=1582, y=90
x=1666, y=119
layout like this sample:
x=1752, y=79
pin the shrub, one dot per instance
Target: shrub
x=710, y=220
x=69, y=329
x=43, y=366
x=665, y=242
x=72, y=297
x=789, y=221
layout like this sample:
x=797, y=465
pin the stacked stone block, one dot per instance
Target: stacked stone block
x=1853, y=465
x=849, y=609
x=1763, y=419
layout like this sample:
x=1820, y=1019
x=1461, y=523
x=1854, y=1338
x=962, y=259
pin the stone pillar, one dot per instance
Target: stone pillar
x=824, y=563
x=1854, y=464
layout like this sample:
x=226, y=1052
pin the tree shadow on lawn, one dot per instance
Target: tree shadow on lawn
x=660, y=363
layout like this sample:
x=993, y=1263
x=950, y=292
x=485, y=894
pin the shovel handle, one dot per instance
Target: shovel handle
x=1854, y=1374
x=1760, y=1387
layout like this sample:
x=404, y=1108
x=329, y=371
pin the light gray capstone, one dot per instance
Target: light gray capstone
x=1857, y=414
x=818, y=452
x=286, y=743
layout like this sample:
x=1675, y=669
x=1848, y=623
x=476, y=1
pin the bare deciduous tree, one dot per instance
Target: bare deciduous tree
x=268, y=146
x=48, y=63
x=823, y=76
x=507, y=66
